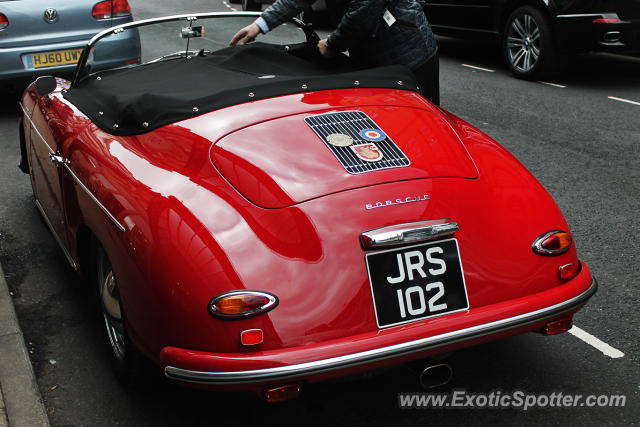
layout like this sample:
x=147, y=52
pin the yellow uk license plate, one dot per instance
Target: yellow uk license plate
x=55, y=58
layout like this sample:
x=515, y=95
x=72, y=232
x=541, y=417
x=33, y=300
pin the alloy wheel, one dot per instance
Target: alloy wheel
x=111, y=309
x=523, y=42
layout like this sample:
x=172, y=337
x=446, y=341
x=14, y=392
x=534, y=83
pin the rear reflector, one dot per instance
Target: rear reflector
x=568, y=271
x=606, y=21
x=284, y=392
x=554, y=242
x=111, y=9
x=251, y=337
x=4, y=21
x=558, y=326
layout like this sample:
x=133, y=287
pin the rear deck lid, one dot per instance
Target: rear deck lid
x=292, y=159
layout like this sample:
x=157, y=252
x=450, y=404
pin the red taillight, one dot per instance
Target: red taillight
x=606, y=21
x=553, y=242
x=241, y=304
x=111, y=9
x=4, y=21
x=121, y=8
x=558, y=326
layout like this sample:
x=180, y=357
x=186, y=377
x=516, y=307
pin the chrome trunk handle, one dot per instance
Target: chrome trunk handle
x=412, y=232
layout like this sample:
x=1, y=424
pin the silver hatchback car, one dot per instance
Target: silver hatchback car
x=40, y=37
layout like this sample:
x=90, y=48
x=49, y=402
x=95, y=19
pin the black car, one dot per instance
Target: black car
x=537, y=34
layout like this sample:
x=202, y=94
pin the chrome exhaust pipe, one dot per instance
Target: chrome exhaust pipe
x=436, y=375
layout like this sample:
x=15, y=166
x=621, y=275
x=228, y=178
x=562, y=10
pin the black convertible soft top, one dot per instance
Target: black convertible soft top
x=131, y=101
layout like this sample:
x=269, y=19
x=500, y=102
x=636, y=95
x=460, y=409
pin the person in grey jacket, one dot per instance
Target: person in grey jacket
x=374, y=32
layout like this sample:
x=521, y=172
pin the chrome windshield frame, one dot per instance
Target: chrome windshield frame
x=144, y=22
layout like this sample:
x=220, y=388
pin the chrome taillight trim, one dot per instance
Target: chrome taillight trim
x=539, y=250
x=270, y=305
x=412, y=232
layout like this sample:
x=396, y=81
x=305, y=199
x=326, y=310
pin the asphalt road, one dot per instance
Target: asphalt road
x=577, y=137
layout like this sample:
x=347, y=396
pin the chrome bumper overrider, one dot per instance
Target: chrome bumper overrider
x=378, y=354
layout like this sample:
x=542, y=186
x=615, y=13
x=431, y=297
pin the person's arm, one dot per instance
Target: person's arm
x=360, y=21
x=283, y=10
x=245, y=35
x=279, y=12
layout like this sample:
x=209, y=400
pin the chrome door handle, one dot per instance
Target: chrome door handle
x=56, y=159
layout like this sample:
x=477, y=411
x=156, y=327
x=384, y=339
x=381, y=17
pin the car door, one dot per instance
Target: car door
x=47, y=169
x=459, y=15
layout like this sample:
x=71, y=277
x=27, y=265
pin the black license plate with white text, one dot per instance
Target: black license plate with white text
x=416, y=282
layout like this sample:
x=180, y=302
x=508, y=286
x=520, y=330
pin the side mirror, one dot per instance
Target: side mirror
x=45, y=85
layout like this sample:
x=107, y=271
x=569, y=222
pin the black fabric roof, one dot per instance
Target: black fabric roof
x=135, y=100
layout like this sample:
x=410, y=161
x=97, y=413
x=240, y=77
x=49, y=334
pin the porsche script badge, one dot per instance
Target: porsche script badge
x=408, y=199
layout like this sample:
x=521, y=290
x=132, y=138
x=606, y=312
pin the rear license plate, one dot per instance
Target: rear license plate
x=416, y=282
x=53, y=59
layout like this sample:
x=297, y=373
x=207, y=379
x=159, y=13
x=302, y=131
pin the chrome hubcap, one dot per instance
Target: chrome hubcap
x=112, y=315
x=523, y=43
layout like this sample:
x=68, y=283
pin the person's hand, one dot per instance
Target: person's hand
x=245, y=35
x=324, y=49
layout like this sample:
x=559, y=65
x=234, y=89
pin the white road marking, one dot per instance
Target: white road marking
x=229, y=6
x=552, y=84
x=479, y=68
x=595, y=342
x=624, y=100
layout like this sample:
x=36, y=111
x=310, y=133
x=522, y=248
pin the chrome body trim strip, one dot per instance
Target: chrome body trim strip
x=585, y=15
x=72, y=262
x=33, y=127
x=94, y=198
x=465, y=6
x=412, y=232
x=24, y=110
x=378, y=354
x=74, y=176
x=464, y=29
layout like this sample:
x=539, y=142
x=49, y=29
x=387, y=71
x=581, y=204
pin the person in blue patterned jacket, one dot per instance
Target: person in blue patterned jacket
x=374, y=32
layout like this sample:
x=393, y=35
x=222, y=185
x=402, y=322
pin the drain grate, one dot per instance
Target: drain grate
x=363, y=136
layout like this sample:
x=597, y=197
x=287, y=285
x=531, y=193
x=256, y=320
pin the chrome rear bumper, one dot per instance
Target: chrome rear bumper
x=379, y=354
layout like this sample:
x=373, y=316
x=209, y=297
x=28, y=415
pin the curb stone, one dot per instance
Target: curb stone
x=20, y=399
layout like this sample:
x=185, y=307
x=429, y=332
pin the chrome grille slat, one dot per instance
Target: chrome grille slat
x=351, y=123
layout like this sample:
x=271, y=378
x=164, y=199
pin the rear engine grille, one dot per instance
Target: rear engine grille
x=353, y=123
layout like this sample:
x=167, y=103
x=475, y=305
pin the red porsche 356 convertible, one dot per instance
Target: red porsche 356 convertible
x=256, y=218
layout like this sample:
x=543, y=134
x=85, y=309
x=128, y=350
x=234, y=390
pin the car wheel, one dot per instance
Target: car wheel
x=125, y=359
x=527, y=43
x=251, y=6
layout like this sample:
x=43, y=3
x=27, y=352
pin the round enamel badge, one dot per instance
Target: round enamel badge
x=368, y=152
x=373, y=135
x=339, y=139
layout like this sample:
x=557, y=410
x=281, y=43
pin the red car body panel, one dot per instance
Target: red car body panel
x=247, y=197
